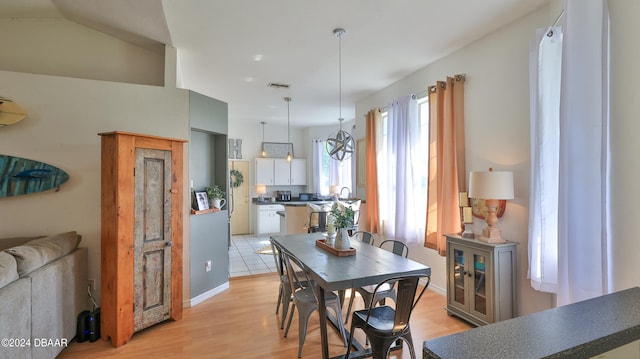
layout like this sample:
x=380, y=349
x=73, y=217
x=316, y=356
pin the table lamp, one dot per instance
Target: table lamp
x=333, y=191
x=261, y=190
x=492, y=186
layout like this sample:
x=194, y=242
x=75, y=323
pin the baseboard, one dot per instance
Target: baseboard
x=434, y=288
x=206, y=295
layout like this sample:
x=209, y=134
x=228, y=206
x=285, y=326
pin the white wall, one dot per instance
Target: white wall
x=64, y=48
x=64, y=117
x=496, y=129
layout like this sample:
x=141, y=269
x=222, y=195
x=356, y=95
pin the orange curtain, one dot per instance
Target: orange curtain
x=447, y=173
x=373, y=217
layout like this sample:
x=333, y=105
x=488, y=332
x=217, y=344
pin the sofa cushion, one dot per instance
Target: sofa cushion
x=38, y=252
x=15, y=241
x=8, y=269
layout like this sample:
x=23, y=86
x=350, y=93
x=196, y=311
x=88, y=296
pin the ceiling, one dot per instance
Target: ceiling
x=231, y=50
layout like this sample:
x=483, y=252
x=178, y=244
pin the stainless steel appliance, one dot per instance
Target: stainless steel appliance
x=283, y=195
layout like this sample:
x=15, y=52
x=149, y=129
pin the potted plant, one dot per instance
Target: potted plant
x=342, y=218
x=216, y=194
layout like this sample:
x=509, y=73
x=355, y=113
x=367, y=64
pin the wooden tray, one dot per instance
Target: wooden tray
x=322, y=243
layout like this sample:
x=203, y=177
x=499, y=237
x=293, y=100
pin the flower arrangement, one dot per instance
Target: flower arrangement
x=214, y=191
x=342, y=215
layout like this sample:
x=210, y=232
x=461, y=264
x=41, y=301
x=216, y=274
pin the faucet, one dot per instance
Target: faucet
x=348, y=192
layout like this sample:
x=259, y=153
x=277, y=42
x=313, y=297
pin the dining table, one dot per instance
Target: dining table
x=369, y=265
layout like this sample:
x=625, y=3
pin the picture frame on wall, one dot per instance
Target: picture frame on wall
x=201, y=200
x=278, y=149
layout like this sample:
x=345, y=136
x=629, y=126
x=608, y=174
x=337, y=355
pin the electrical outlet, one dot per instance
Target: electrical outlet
x=207, y=266
x=92, y=284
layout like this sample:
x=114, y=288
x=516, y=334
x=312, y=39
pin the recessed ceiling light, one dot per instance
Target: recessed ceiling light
x=248, y=79
x=257, y=57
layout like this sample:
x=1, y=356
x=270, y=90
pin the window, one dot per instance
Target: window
x=333, y=172
x=403, y=186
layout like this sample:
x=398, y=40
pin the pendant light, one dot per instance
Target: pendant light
x=340, y=145
x=263, y=153
x=289, y=154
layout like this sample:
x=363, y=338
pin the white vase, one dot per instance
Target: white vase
x=219, y=202
x=342, y=239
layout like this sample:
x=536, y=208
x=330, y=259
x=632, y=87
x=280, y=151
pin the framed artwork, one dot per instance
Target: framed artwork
x=361, y=159
x=201, y=201
x=278, y=149
x=479, y=209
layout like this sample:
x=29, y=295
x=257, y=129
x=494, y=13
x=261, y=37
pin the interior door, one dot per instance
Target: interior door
x=152, y=238
x=240, y=198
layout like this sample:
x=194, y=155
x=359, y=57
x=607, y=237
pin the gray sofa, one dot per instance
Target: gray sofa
x=43, y=288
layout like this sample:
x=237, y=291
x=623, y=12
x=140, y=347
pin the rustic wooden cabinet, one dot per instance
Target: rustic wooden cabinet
x=141, y=233
x=481, y=280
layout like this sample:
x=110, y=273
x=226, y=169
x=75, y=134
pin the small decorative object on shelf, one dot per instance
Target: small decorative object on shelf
x=216, y=195
x=467, y=220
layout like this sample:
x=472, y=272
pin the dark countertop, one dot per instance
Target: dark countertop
x=280, y=213
x=579, y=330
x=295, y=202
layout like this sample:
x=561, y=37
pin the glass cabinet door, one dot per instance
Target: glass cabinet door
x=479, y=284
x=458, y=276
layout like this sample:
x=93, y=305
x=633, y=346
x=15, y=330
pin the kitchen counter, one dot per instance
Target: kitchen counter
x=579, y=330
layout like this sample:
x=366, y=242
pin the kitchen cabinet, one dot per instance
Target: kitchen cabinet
x=264, y=171
x=481, y=280
x=299, y=172
x=280, y=172
x=267, y=218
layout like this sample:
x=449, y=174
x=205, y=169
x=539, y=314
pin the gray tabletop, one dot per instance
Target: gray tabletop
x=370, y=265
x=580, y=330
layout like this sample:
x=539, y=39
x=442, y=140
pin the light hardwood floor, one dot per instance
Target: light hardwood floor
x=241, y=323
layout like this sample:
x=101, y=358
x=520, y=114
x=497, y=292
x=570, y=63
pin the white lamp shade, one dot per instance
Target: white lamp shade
x=333, y=189
x=491, y=185
x=261, y=189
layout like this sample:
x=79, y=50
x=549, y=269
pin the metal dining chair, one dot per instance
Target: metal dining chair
x=284, y=293
x=364, y=237
x=305, y=299
x=384, y=325
x=387, y=291
x=317, y=222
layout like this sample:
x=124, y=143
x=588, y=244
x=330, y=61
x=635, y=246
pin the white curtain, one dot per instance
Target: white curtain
x=545, y=64
x=398, y=200
x=581, y=238
x=318, y=147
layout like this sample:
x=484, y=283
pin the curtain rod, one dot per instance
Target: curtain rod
x=550, y=32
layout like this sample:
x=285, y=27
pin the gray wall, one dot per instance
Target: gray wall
x=209, y=233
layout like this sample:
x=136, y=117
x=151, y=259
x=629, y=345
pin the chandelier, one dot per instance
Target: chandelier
x=340, y=145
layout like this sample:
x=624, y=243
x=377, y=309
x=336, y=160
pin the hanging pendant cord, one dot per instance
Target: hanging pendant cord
x=340, y=72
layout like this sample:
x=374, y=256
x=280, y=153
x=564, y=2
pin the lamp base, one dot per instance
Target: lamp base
x=492, y=235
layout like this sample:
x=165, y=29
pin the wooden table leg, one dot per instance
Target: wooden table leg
x=322, y=311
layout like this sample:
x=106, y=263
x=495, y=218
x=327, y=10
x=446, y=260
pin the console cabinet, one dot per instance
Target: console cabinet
x=141, y=233
x=481, y=280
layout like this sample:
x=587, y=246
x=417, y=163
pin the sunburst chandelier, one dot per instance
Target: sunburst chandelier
x=340, y=145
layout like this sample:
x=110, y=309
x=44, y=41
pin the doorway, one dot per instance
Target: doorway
x=239, y=197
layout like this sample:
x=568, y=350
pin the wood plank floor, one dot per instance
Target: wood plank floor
x=241, y=323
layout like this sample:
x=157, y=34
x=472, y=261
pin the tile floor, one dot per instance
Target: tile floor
x=243, y=259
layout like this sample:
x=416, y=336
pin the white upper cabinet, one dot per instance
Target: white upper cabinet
x=280, y=172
